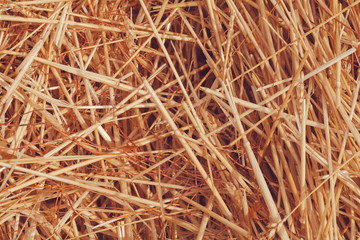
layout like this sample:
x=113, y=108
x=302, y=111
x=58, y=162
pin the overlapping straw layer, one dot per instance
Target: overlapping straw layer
x=179, y=119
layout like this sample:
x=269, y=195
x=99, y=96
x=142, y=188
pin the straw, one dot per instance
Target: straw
x=179, y=119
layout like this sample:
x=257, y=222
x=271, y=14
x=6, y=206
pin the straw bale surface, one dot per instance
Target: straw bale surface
x=212, y=119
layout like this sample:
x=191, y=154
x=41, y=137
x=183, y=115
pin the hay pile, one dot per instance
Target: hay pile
x=179, y=119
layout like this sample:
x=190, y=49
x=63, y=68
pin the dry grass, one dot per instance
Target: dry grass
x=179, y=119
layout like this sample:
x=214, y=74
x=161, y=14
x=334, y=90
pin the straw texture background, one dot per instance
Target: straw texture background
x=212, y=119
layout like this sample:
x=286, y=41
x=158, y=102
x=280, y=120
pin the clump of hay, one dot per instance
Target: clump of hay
x=179, y=119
